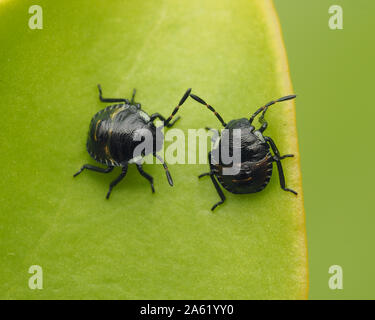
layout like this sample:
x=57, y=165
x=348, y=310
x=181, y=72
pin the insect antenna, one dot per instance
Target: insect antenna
x=201, y=101
x=183, y=99
x=265, y=108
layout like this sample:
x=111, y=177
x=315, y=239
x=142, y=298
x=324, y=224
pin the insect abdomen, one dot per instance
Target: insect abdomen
x=100, y=134
x=253, y=176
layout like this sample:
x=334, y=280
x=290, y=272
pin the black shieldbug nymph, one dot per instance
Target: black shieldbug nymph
x=112, y=137
x=256, y=162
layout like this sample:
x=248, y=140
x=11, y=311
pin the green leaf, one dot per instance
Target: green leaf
x=138, y=245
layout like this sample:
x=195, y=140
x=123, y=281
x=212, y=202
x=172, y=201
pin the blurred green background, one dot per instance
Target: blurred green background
x=332, y=72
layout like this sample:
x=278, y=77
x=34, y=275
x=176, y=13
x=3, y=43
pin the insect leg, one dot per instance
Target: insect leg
x=93, y=168
x=216, y=185
x=219, y=191
x=117, y=180
x=169, y=177
x=215, y=135
x=209, y=162
x=110, y=99
x=159, y=116
x=204, y=174
x=276, y=150
x=133, y=96
x=183, y=99
x=147, y=176
x=277, y=159
x=201, y=101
